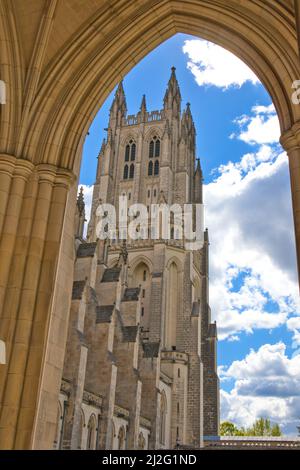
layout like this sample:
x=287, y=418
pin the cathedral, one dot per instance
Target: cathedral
x=140, y=362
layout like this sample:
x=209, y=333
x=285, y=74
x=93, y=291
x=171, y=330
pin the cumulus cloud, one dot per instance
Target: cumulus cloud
x=252, y=253
x=262, y=127
x=266, y=383
x=212, y=65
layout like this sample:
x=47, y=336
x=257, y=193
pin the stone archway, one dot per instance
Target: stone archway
x=56, y=79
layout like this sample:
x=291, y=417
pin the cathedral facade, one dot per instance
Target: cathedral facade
x=140, y=363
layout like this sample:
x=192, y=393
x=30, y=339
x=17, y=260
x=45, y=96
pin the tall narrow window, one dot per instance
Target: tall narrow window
x=157, y=148
x=125, y=174
x=151, y=149
x=150, y=168
x=133, y=149
x=131, y=172
x=156, y=167
x=127, y=152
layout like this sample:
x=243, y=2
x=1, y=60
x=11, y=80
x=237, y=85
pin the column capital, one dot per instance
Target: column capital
x=14, y=166
x=290, y=140
x=55, y=175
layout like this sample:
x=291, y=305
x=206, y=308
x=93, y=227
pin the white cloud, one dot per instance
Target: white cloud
x=262, y=127
x=212, y=65
x=252, y=249
x=266, y=383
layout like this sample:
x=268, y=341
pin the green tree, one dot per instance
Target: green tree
x=261, y=427
x=228, y=429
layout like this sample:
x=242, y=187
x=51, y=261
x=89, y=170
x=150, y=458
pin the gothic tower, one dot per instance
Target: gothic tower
x=141, y=355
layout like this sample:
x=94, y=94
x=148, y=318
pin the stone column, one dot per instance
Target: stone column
x=290, y=141
x=32, y=213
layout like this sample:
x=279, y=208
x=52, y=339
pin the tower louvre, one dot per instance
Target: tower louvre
x=141, y=352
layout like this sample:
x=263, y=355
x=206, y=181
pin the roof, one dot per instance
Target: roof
x=131, y=293
x=129, y=333
x=86, y=249
x=104, y=313
x=151, y=349
x=77, y=291
x=111, y=274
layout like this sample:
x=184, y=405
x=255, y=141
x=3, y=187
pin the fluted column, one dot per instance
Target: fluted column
x=32, y=214
x=290, y=141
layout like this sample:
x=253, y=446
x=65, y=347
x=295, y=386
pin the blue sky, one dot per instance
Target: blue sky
x=253, y=289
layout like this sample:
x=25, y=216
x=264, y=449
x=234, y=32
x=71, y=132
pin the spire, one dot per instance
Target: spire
x=198, y=168
x=143, y=104
x=80, y=202
x=172, y=99
x=102, y=146
x=80, y=214
x=119, y=107
x=143, y=110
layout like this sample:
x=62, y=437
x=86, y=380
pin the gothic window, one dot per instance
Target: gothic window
x=131, y=172
x=157, y=148
x=129, y=196
x=150, y=168
x=132, y=156
x=121, y=439
x=141, y=442
x=163, y=413
x=127, y=152
x=149, y=189
x=125, y=174
x=154, y=147
x=154, y=193
x=151, y=149
x=90, y=444
x=144, y=275
x=156, y=167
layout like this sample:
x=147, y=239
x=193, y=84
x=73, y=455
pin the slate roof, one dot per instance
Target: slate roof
x=104, y=313
x=86, y=249
x=129, y=333
x=131, y=293
x=111, y=274
x=151, y=349
x=77, y=291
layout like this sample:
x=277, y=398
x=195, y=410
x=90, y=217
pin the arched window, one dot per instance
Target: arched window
x=127, y=152
x=131, y=172
x=141, y=442
x=156, y=167
x=130, y=151
x=150, y=168
x=121, y=439
x=80, y=440
x=90, y=443
x=125, y=174
x=133, y=149
x=163, y=415
x=151, y=149
x=157, y=148
x=154, y=147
